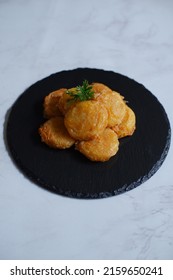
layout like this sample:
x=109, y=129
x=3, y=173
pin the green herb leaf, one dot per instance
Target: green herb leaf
x=81, y=93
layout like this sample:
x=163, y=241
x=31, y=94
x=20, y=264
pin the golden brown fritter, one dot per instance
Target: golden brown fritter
x=99, y=88
x=101, y=148
x=86, y=120
x=94, y=125
x=128, y=124
x=115, y=106
x=64, y=101
x=55, y=135
x=51, y=101
x=112, y=100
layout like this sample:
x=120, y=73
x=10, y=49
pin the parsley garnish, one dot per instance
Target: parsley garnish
x=81, y=93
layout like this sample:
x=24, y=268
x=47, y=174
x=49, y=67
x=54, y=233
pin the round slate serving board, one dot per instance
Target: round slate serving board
x=68, y=172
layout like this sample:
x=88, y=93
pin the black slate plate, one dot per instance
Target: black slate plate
x=68, y=172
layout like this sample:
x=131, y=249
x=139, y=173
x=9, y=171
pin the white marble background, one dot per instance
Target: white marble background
x=40, y=37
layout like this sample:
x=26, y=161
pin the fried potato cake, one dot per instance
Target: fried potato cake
x=93, y=125
x=55, y=135
x=101, y=148
x=86, y=120
x=99, y=88
x=51, y=101
x=128, y=124
x=64, y=101
x=115, y=106
x=112, y=100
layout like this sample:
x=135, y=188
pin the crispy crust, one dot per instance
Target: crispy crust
x=101, y=148
x=112, y=100
x=99, y=88
x=64, y=103
x=115, y=106
x=128, y=124
x=51, y=102
x=55, y=135
x=86, y=120
x=93, y=125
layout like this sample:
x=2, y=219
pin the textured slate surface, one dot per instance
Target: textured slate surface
x=68, y=172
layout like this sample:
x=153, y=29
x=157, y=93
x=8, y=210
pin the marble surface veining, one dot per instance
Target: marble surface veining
x=37, y=38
